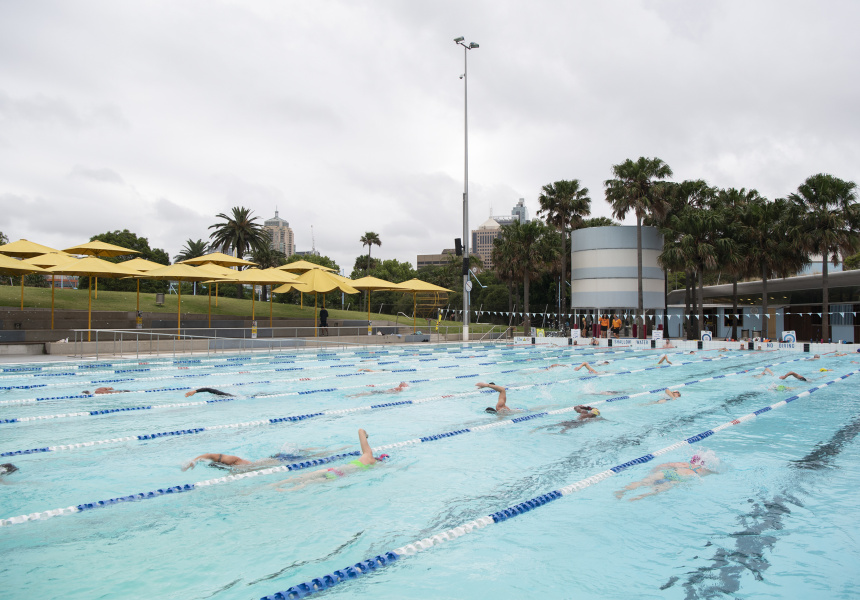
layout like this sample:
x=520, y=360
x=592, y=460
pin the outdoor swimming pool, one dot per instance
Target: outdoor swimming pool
x=779, y=519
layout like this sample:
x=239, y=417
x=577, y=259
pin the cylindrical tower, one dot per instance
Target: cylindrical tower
x=603, y=268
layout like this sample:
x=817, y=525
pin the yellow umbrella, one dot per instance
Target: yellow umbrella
x=302, y=266
x=270, y=276
x=25, y=249
x=180, y=272
x=320, y=282
x=373, y=283
x=142, y=265
x=92, y=267
x=11, y=266
x=52, y=259
x=100, y=249
x=222, y=260
x=417, y=285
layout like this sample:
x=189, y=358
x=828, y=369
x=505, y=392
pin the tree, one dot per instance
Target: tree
x=504, y=262
x=239, y=231
x=598, y=222
x=770, y=249
x=565, y=204
x=127, y=239
x=363, y=265
x=191, y=249
x=732, y=203
x=3, y=239
x=637, y=187
x=369, y=239
x=828, y=226
x=533, y=249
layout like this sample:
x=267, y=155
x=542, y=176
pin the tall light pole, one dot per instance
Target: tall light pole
x=467, y=286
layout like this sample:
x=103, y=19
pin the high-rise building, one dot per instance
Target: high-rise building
x=489, y=230
x=281, y=234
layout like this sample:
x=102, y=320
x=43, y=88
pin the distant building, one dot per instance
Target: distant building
x=435, y=260
x=307, y=253
x=482, y=241
x=489, y=230
x=281, y=234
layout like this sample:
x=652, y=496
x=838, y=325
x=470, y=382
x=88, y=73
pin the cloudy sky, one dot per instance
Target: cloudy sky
x=348, y=115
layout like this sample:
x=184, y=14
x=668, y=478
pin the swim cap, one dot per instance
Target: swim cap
x=490, y=409
x=595, y=412
x=781, y=387
x=382, y=457
x=823, y=369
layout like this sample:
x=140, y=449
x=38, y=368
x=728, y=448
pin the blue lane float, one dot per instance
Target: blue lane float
x=319, y=584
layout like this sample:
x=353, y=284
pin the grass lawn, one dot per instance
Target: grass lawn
x=66, y=299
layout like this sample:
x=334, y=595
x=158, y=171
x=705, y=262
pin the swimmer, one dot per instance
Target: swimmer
x=667, y=345
x=106, y=390
x=501, y=406
x=371, y=370
x=766, y=371
x=672, y=395
x=362, y=463
x=7, y=468
x=667, y=475
x=403, y=385
x=586, y=414
x=206, y=390
x=553, y=367
x=795, y=375
x=588, y=366
x=815, y=357
x=664, y=358
x=237, y=463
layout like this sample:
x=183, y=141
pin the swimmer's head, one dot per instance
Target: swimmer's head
x=697, y=460
x=87, y=392
x=595, y=412
x=490, y=409
x=492, y=383
x=7, y=468
x=382, y=457
x=823, y=369
x=781, y=388
x=708, y=459
x=816, y=356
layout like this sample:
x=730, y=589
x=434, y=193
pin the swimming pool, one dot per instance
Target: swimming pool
x=778, y=520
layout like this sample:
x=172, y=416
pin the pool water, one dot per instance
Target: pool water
x=778, y=520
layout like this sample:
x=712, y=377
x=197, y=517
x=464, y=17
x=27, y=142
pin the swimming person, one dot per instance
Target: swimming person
x=590, y=369
x=403, y=385
x=105, y=390
x=501, y=406
x=7, y=468
x=208, y=391
x=362, y=463
x=664, y=358
x=766, y=371
x=672, y=395
x=586, y=414
x=224, y=461
x=667, y=475
x=795, y=375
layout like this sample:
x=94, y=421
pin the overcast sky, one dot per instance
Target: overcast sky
x=347, y=116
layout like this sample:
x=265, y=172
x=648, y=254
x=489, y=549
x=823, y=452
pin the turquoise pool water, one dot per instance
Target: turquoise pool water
x=779, y=519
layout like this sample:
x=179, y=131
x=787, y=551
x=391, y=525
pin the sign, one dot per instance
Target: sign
x=540, y=333
x=253, y=330
x=574, y=333
x=789, y=337
x=139, y=320
x=706, y=336
x=656, y=334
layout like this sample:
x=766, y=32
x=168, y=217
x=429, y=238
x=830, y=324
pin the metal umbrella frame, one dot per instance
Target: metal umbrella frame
x=220, y=259
x=101, y=250
x=182, y=272
x=144, y=266
x=417, y=285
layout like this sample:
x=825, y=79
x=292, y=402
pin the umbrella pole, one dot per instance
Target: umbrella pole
x=368, y=312
x=301, y=294
x=209, y=287
x=413, y=312
x=216, y=299
x=97, y=288
x=270, y=307
x=138, y=295
x=315, y=314
x=253, y=293
x=22, y=291
x=52, y=301
x=90, y=310
x=179, y=309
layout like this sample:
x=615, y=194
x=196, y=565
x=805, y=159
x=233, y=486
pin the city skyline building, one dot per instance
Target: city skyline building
x=281, y=234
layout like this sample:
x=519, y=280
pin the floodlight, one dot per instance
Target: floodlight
x=458, y=40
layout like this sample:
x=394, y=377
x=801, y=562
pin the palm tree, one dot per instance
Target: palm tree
x=191, y=249
x=369, y=239
x=828, y=226
x=504, y=262
x=533, y=250
x=731, y=203
x=770, y=249
x=239, y=231
x=637, y=187
x=565, y=204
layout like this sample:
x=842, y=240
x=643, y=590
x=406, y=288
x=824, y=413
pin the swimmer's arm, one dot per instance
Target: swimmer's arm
x=366, y=452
